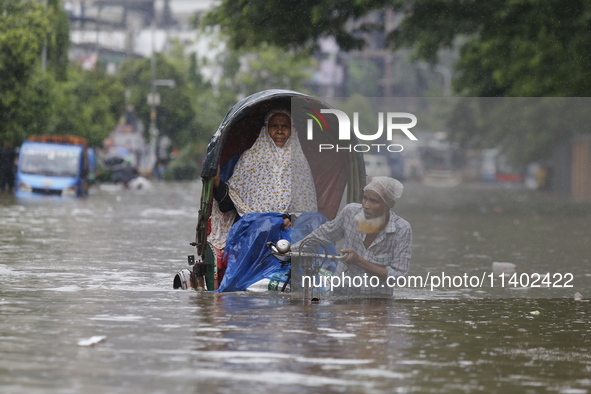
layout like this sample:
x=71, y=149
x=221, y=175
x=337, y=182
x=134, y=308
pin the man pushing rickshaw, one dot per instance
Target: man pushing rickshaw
x=266, y=183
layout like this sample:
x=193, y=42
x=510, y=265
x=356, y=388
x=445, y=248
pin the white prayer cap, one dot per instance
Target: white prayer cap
x=388, y=188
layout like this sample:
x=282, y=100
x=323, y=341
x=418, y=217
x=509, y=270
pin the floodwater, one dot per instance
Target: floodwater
x=72, y=269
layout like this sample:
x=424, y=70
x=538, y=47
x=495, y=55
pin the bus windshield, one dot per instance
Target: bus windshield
x=50, y=162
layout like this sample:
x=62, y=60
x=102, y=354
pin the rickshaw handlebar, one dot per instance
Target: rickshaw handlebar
x=314, y=255
x=281, y=250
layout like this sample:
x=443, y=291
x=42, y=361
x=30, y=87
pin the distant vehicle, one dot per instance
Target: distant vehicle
x=377, y=165
x=53, y=165
x=441, y=164
x=507, y=172
x=496, y=168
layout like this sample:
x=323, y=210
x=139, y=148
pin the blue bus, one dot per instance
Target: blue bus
x=53, y=165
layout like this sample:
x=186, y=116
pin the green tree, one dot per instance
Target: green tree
x=271, y=67
x=59, y=44
x=175, y=113
x=23, y=92
x=243, y=73
x=289, y=25
x=507, y=47
x=88, y=104
x=27, y=95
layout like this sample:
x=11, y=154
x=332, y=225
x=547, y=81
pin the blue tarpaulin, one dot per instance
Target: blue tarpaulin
x=248, y=257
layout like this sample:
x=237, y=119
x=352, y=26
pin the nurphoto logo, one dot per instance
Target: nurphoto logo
x=392, y=124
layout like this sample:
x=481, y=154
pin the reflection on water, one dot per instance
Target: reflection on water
x=103, y=266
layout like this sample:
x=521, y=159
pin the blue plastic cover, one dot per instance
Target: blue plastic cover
x=249, y=259
x=246, y=248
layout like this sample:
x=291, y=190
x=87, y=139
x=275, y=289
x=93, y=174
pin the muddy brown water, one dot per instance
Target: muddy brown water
x=103, y=266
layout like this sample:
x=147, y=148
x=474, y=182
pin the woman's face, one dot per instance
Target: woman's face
x=279, y=129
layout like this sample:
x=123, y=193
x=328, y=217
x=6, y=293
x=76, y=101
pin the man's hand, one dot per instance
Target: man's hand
x=352, y=258
x=367, y=266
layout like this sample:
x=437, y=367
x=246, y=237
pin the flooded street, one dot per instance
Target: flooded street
x=71, y=269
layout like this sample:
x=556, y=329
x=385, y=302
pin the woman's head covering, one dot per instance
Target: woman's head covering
x=268, y=178
x=388, y=188
x=275, y=112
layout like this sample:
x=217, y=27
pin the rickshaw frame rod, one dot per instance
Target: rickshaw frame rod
x=314, y=255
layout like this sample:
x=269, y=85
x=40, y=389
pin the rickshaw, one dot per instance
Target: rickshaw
x=339, y=175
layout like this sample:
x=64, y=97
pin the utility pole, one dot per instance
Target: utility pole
x=154, y=97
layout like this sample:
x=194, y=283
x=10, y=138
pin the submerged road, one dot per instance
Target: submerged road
x=102, y=267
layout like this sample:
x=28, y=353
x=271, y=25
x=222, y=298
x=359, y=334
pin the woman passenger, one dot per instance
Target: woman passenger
x=272, y=178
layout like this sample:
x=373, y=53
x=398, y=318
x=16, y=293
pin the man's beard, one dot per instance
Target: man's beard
x=370, y=226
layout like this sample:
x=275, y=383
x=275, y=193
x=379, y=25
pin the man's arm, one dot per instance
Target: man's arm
x=399, y=257
x=402, y=253
x=367, y=266
x=328, y=232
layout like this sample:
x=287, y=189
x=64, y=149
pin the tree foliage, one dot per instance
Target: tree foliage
x=175, y=113
x=23, y=92
x=507, y=47
x=36, y=102
x=88, y=104
x=269, y=67
x=240, y=73
x=290, y=24
x=57, y=50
